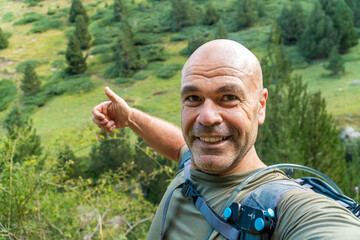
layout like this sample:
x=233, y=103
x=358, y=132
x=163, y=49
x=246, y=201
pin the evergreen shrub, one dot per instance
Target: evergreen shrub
x=146, y=38
x=51, y=12
x=141, y=75
x=29, y=18
x=168, y=70
x=124, y=81
x=45, y=24
x=153, y=52
x=103, y=48
x=8, y=17
x=22, y=65
x=7, y=93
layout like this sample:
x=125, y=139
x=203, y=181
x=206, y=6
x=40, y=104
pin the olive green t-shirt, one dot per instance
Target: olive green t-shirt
x=301, y=214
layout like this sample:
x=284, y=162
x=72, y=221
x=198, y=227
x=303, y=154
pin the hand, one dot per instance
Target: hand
x=112, y=114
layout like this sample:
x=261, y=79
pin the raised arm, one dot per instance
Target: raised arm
x=164, y=137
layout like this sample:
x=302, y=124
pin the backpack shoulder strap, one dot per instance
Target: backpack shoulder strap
x=186, y=158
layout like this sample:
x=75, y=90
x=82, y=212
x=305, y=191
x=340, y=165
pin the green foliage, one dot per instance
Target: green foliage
x=298, y=128
x=77, y=9
x=30, y=84
x=168, y=70
x=292, y=23
x=22, y=139
x=344, y=24
x=4, y=43
x=32, y=2
x=141, y=75
x=7, y=93
x=120, y=10
x=103, y=48
x=126, y=56
x=51, y=12
x=210, y=17
x=336, y=63
x=183, y=13
x=245, y=13
x=110, y=153
x=74, y=57
x=198, y=39
x=81, y=32
x=329, y=6
x=354, y=5
x=221, y=32
x=260, y=8
x=8, y=17
x=45, y=24
x=22, y=65
x=59, y=63
x=29, y=17
x=153, y=52
x=319, y=35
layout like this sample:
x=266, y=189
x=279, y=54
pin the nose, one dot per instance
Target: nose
x=209, y=114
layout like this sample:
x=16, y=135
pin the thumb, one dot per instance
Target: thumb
x=111, y=95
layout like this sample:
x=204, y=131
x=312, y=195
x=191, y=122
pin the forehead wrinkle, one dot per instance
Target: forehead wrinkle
x=215, y=72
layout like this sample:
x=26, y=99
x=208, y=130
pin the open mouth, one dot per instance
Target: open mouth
x=212, y=139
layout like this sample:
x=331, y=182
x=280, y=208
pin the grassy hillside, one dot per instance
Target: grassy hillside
x=62, y=114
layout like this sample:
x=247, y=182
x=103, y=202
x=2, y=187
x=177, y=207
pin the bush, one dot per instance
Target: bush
x=168, y=70
x=111, y=72
x=146, y=38
x=59, y=63
x=51, y=12
x=22, y=65
x=29, y=18
x=179, y=37
x=76, y=85
x=46, y=24
x=153, y=52
x=124, y=81
x=103, y=48
x=141, y=75
x=8, y=17
x=7, y=93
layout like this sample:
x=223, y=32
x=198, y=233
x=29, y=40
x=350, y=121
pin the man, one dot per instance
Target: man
x=222, y=104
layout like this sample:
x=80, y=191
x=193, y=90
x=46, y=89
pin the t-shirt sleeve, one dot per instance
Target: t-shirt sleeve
x=183, y=151
x=308, y=215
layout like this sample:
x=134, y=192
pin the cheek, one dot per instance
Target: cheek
x=188, y=117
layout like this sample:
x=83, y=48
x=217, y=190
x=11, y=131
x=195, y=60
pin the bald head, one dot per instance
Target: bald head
x=227, y=55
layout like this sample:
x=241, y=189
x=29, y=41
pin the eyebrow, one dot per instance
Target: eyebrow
x=187, y=89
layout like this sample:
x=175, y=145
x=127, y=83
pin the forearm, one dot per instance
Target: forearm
x=164, y=137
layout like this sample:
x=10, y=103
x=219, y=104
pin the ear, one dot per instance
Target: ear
x=262, y=106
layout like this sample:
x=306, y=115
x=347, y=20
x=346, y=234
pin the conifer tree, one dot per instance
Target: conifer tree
x=298, y=128
x=81, y=32
x=260, y=8
x=336, y=63
x=221, y=32
x=77, y=9
x=354, y=5
x=246, y=13
x=211, y=17
x=126, y=55
x=183, y=13
x=4, y=43
x=20, y=127
x=30, y=84
x=74, y=57
x=319, y=35
x=120, y=10
x=292, y=23
x=329, y=6
x=344, y=24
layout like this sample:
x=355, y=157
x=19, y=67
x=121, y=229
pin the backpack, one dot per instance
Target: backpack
x=254, y=218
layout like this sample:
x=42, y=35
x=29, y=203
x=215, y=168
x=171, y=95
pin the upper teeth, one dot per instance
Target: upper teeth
x=212, y=139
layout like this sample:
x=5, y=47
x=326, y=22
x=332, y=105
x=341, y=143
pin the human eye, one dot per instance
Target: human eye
x=192, y=98
x=229, y=97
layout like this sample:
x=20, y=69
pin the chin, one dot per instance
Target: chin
x=213, y=164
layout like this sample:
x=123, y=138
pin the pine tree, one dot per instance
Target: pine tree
x=74, y=57
x=120, y=10
x=260, y=8
x=329, y=6
x=183, y=13
x=221, y=32
x=344, y=24
x=246, y=13
x=298, y=128
x=319, y=35
x=292, y=23
x=81, y=32
x=4, y=43
x=354, y=5
x=77, y=9
x=20, y=128
x=211, y=17
x=110, y=153
x=336, y=63
x=126, y=55
x=30, y=84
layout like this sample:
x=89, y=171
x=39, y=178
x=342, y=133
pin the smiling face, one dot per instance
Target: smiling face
x=222, y=103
